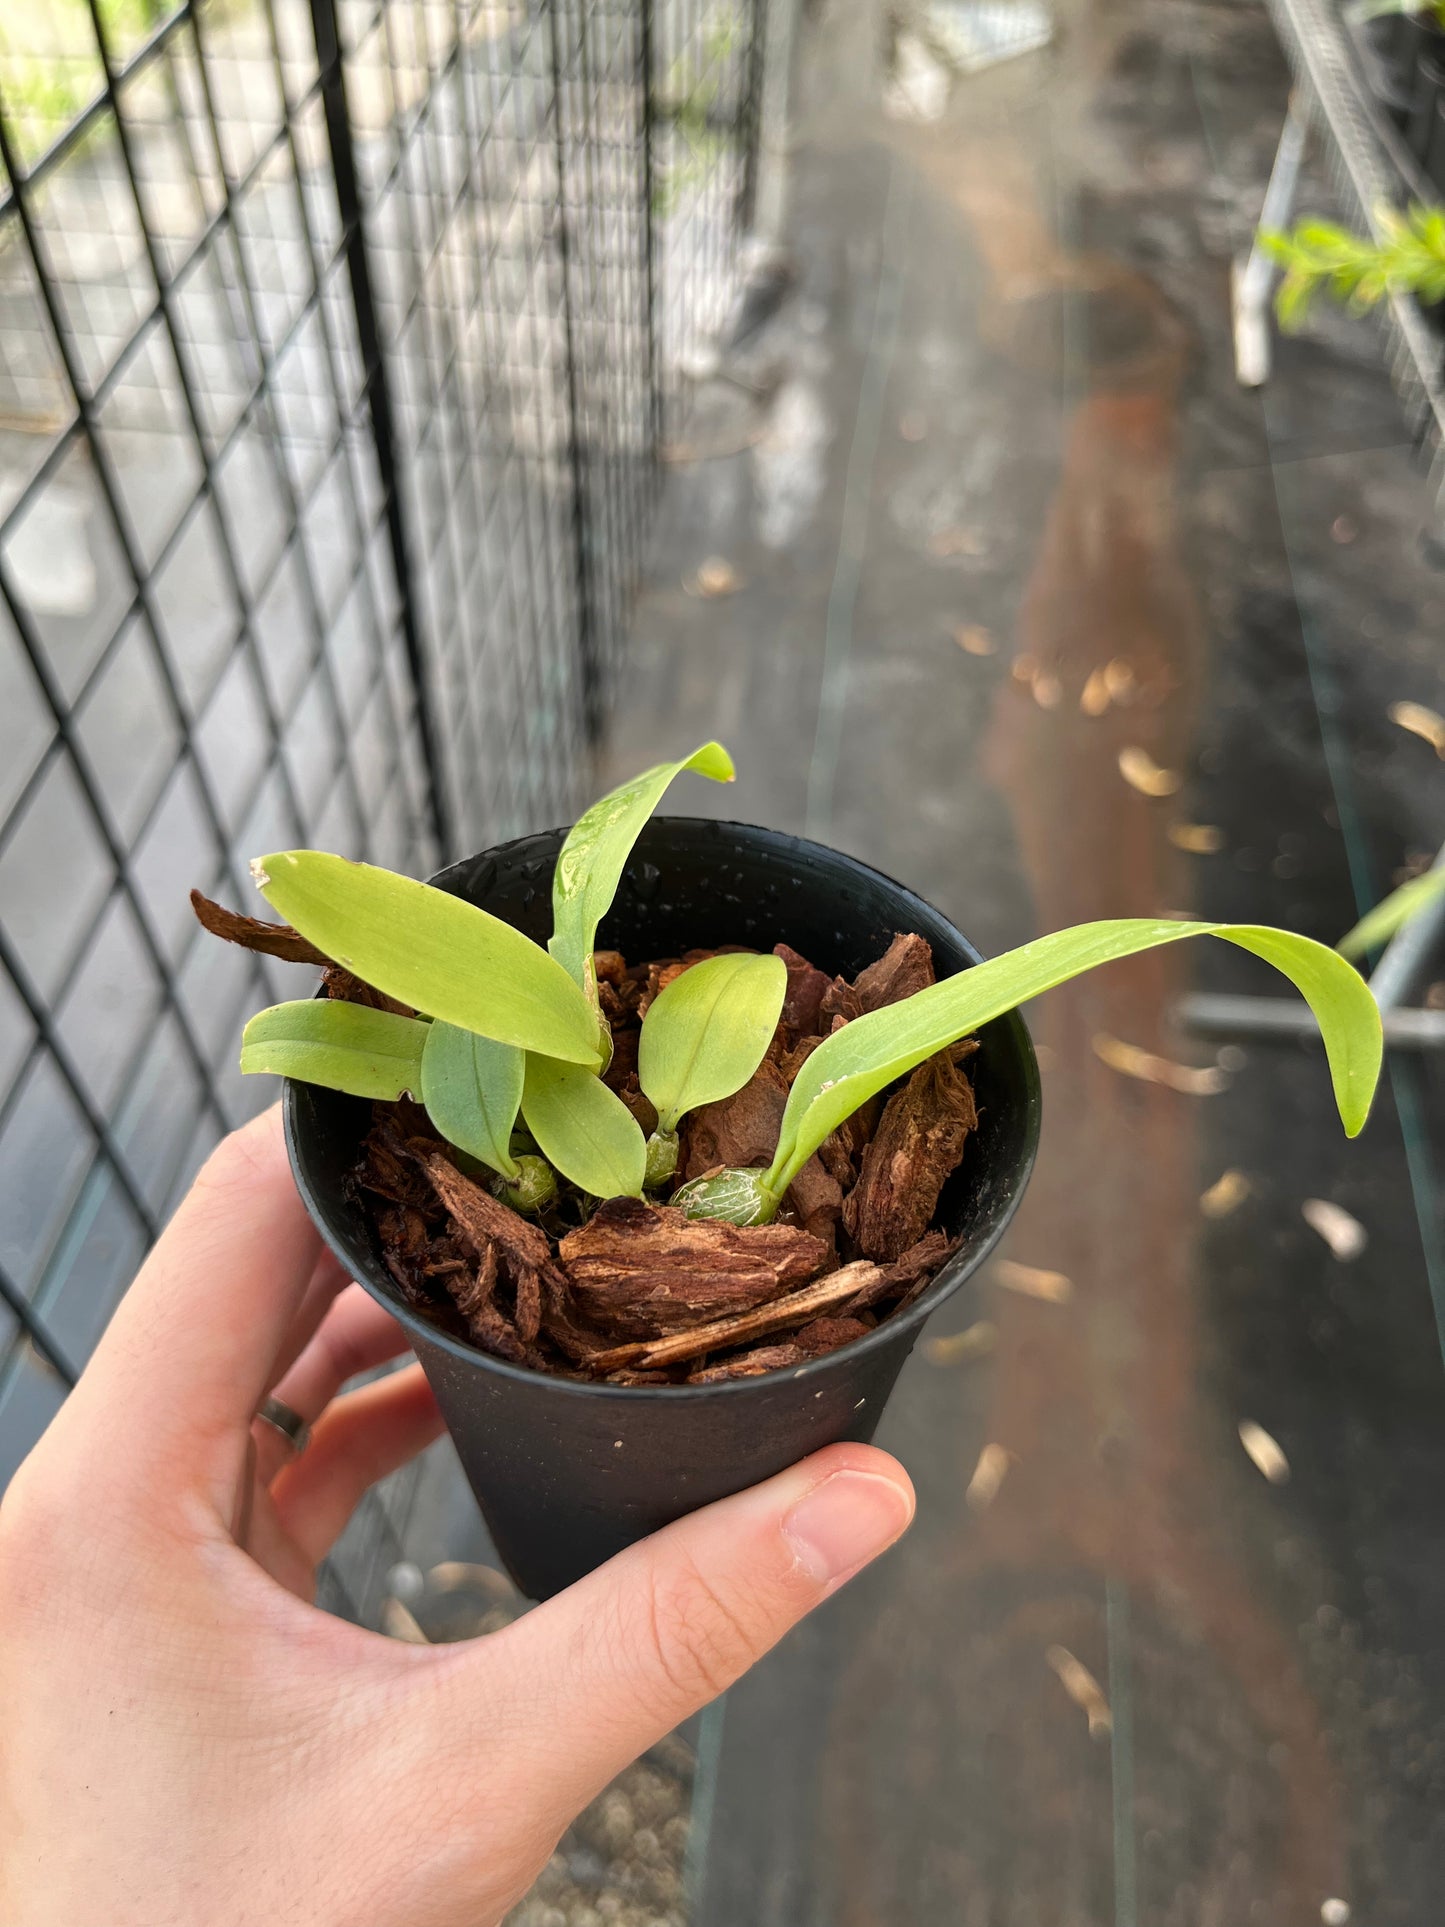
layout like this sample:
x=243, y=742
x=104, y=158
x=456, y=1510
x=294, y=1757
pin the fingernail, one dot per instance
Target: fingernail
x=846, y=1521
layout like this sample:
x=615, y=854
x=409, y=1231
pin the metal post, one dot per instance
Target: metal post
x=1252, y=279
x=378, y=394
x=581, y=507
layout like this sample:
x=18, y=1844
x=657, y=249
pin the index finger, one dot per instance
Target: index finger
x=192, y=1346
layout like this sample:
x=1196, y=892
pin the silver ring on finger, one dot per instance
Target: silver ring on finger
x=284, y=1419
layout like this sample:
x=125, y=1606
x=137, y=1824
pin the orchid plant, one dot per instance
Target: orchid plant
x=506, y=1030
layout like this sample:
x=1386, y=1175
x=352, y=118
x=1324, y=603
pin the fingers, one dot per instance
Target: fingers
x=190, y=1349
x=623, y=1656
x=355, y=1335
x=359, y=1439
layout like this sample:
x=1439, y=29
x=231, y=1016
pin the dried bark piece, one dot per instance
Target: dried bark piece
x=798, y=1308
x=905, y=967
x=560, y=1322
x=528, y=1315
x=741, y=1129
x=919, y=1143
x=493, y=1332
x=389, y=1170
x=790, y=1062
x=914, y=1269
x=610, y=966
x=344, y=987
x=815, y=1194
x=473, y=1294
x=641, y=1270
x=255, y=933
x=841, y=1004
x=482, y=1219
x=640, y=1105
x=823, y=1335
x=804, y=994
x=750, y=1364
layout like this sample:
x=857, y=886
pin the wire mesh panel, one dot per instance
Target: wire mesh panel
x=334, y=341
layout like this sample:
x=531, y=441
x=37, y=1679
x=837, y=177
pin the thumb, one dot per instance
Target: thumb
x=627, y=1653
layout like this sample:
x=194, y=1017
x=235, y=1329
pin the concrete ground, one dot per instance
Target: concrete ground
x=990, y=443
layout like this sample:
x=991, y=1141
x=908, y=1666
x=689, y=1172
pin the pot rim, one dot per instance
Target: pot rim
x=954, y=1274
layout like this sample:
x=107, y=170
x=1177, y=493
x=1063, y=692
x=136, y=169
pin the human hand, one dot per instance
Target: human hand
x=187, y=1740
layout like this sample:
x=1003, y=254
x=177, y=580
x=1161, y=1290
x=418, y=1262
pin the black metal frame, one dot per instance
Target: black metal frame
x=337, y=339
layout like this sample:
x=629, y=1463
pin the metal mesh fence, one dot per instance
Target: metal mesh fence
x=336, y=342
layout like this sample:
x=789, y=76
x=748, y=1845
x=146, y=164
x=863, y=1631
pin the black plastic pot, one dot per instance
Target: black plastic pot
x=566, y=1473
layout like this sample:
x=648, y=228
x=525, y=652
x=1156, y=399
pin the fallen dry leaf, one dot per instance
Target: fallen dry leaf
x=974, y=639
x=397, y=1622
x=1265, y=1451
x=1032, y=1281
x=1199, y=839
x=715, y=577
x=1345, y=1236
x=988, y=1475
x=1083, y=1689
x=1420, y=721
x=1141, y=772
x=959, y=1347
x=1227, y=1193
x=1143, y=1064
x=1120, y=680
x=1095, y=698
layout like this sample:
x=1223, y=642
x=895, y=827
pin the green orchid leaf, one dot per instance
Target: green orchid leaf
x=346, y=1047
x=472, y=1089
x=591, y=861
x=706, y=1034
x=848, y=1067
x=1392, y=913
x=583, y=1128
x=433, y=951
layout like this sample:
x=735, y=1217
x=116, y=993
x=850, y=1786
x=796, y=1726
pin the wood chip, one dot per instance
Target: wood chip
x=1141, y=772
x=1131, y=1061
x=1031, y=1281
x=1199, y=839
x=974, y=639
x=1094, y=699
x=1083, y=1689
x=1345, y=1236
x=988, y=1475
x=1420, y=721
x=796, y=1309
x=640, y=1270
x=398, y=1622
x=1265, y=1451
x=905, y=968
x=1227, y=1193
x=918, y=1145
x=715, y=577
x=959, y=1347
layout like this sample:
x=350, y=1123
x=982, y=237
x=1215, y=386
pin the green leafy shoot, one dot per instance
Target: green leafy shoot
x=865, y=1055
x=583, y=1128
x=346, y=1047
x=1357, y=269
x=591, y=861
x=707, y=1032
x=1392, y=913
x=472, y=1089
x=433, y=951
